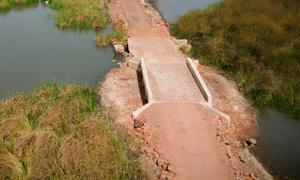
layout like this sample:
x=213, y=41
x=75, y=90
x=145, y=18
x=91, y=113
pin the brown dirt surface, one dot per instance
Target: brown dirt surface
x=182, y=135
x=186, y=142
x=229, y=100
x=120, y=90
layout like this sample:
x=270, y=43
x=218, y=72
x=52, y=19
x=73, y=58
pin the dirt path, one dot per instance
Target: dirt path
x=177, y=126
x=184, y=136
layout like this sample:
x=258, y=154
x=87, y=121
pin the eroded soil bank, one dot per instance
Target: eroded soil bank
x=121, y=89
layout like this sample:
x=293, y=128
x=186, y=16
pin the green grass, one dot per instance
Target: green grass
x=62, y=133
x=80, y=14
x=105, y=39
x=6, y=5
x=73, y=14
x=256, y=43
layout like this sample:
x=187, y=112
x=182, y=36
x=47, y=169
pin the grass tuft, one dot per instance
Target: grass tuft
x=79, y=14
x=73, y=14
x=6, y=5
x=109, y=38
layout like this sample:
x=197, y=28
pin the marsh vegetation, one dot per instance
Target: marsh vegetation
x=256, y=43
x=6, y=5
x=73, y=14
x=61, y=133
x=105, y=39
x=81, y=14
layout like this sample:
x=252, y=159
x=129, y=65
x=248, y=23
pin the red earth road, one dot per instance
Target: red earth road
x=180, y=126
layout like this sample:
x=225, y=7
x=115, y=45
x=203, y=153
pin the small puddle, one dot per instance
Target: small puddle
x=279, y=145
x=33, y=50
x=172, y=9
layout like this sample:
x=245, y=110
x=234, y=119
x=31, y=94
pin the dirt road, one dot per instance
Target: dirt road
x=180, y=128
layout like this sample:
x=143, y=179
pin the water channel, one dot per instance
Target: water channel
x=33, y=50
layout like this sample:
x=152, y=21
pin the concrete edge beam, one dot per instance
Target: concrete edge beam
x=146, y=81
x=204, y=90
x=200, y=82
x=137, y=112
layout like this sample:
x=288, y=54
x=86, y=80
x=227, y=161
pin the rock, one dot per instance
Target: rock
x=138, y=124
x=181, y=42
x=186, y=49
x=242, y=159
x=119, y=48
x=162, y=176
x=229, y=154
x=159, y=162
x=169, y=168
x=165, y=167
x=252, y=141
x=183, y=45
x=249, y=142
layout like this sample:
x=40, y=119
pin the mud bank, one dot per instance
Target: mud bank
x=122, y=90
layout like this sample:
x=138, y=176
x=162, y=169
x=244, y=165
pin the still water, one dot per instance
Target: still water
x=172, y=9
x=279, y=144
x=33, y=50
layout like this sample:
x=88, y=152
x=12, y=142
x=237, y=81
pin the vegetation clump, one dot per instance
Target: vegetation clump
x=82, y=14
x=75, y=14
x=61, y=133
x=256, y=43
x=6, y=5
x=105, y=39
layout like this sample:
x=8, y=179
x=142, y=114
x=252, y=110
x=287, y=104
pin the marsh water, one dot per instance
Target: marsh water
x=172, y=9
x=279, y=144
x=279, y=140
x=34, y=50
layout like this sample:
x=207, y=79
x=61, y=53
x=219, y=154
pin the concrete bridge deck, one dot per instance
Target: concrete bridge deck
x=178, y=114
x=170, y=78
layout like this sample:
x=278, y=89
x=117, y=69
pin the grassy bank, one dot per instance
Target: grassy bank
x=105, y=39
x=256, y=43
x=74, y=14
x=6, y=5
x=61, y=133
x=83, y=14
